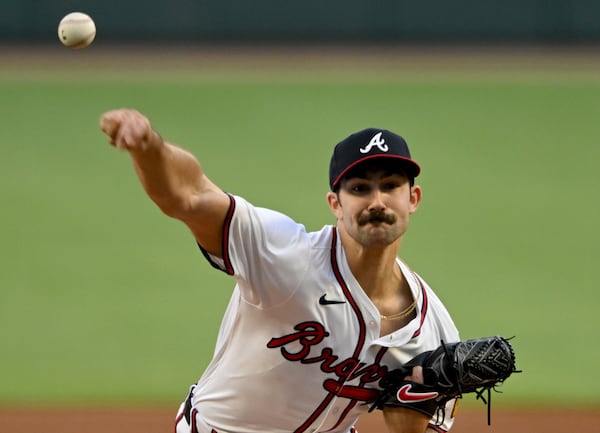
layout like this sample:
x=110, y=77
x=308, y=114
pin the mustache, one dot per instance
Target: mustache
x=376, y=217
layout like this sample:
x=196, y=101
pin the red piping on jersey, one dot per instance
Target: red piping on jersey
x=380, y=354
x=424, y=307
x=361, y=322
x=346, y=290
x=227, y=266
x=369, y=394
x=345, y=413
x=226, y=227
x=194, y=426
x=437, y=428
x=179, y=417
x=359, y=345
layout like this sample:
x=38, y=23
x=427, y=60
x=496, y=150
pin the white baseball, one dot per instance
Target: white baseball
x=76, y=30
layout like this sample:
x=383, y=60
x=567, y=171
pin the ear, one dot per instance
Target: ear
x=416, y=193
x=335, y=206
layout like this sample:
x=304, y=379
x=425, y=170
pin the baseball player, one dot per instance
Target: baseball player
x=316, y=319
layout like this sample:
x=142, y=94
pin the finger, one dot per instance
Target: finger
x=109, y=123
x=119, y=139
x=130, y=130
x=417, y=374
x=133, y=132
x=138, y=130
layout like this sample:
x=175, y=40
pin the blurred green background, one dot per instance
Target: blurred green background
x=104, y=300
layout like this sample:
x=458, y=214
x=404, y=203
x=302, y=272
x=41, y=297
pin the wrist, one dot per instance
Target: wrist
x=151, y=144
x=156, y=141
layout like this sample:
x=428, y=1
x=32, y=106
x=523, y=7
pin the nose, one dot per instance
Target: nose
x=376, y=203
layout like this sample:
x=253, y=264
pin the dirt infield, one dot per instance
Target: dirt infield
x=326, y=63
x=159, y=420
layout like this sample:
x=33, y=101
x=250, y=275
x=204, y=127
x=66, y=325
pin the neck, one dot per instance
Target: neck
x=374, y=267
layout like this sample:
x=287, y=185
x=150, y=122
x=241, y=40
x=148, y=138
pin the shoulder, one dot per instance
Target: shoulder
x=274, y=228
x=245, y=211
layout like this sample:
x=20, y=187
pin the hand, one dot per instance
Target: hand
x=417, y=374
x=403, y=420
x=129, y=130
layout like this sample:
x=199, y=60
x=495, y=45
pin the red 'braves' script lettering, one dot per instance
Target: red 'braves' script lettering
x=309, y=334
x=312, y=333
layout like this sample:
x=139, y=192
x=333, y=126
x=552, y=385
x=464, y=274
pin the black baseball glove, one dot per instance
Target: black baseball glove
x=449, y=371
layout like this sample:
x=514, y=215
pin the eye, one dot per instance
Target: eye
x=390, y=185
x=359, y=188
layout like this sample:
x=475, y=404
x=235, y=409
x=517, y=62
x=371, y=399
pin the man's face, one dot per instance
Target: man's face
x=373, y=205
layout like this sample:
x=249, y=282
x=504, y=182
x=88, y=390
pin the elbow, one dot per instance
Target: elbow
x=174, y=207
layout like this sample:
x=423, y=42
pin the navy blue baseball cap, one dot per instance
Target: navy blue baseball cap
x=366, y=145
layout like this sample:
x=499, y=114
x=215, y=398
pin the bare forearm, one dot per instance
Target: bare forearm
x=402, y=420
x=170, y=176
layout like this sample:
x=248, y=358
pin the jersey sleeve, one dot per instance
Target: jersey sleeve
x=266, y=251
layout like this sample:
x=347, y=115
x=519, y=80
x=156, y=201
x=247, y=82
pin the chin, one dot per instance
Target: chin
x=382, y=239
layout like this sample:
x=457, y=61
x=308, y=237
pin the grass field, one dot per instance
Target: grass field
x=103, y=299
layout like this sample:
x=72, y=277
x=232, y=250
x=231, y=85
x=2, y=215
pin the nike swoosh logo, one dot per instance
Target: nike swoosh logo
x=324, y=301
x=404, y=395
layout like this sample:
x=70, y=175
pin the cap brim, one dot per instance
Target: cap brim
x=411, y=167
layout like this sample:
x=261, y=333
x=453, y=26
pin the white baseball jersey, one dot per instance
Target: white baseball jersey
x=299, y=348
